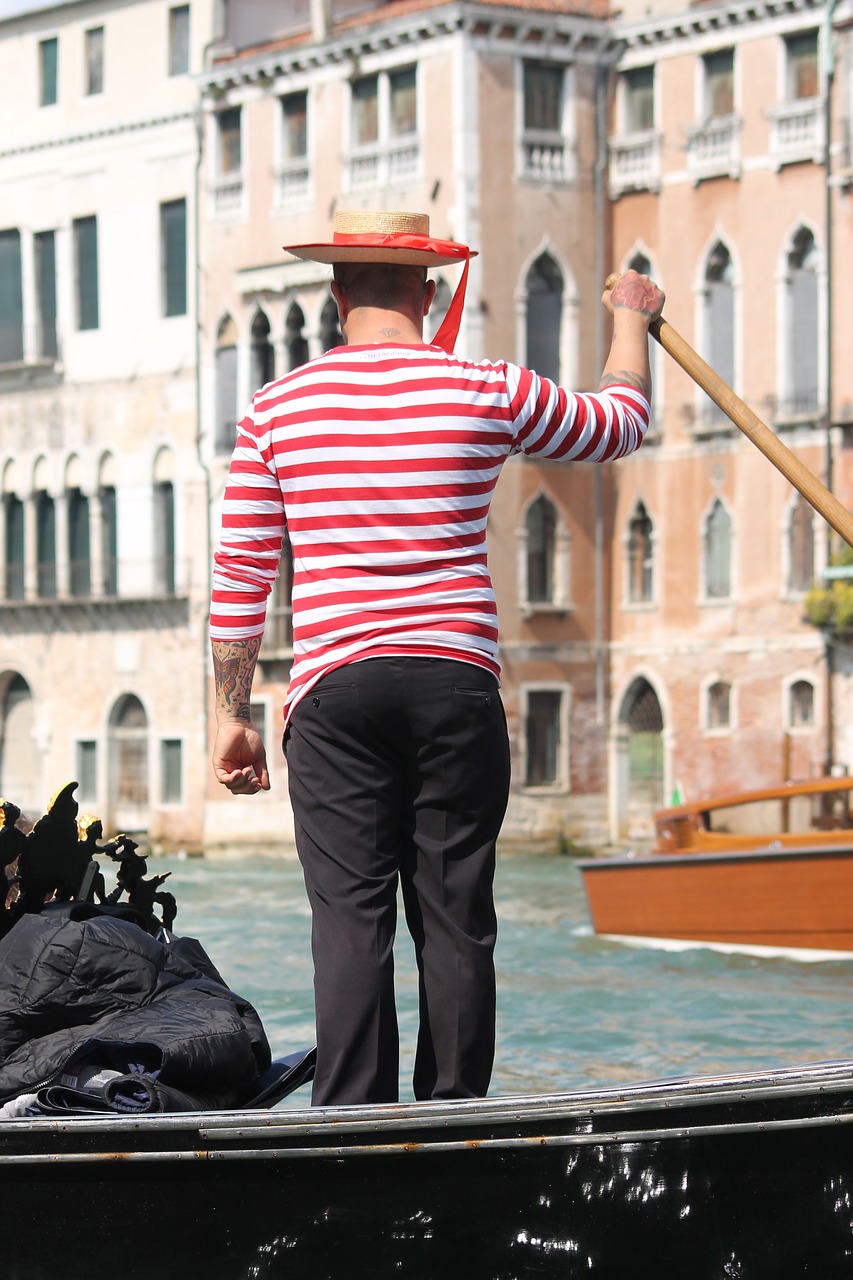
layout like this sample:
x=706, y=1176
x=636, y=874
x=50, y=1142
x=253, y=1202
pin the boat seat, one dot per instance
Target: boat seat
x=281, y=1077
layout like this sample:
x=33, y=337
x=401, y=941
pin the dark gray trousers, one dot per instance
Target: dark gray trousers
x=399, y=767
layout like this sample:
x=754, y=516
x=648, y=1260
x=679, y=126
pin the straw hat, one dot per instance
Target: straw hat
x=368, y=236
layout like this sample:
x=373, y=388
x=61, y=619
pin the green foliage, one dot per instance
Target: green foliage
x=830, y=606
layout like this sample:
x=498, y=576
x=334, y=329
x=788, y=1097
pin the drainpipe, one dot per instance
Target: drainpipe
x=829, y=76
x=602, y=76
x=208, y=484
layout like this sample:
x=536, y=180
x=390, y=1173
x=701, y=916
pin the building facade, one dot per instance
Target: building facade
x=730, y=180
x=652, y=611
x=105, y=497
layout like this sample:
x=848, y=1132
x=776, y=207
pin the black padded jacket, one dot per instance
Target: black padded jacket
x=103, y=993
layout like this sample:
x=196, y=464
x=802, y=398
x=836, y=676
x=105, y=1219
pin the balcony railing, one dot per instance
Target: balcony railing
x=713, y=149
x=293, y=183
x=795, y=408
x=797, y=132
x=635, y=163
x=227, y=194
x=377, y=166
x=164, y=577
x=547, y=157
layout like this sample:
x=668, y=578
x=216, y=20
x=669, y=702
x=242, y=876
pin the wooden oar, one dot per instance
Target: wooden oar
x=824, y=502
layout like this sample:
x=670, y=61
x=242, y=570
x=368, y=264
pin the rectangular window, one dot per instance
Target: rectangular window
x=48, y=63
x=294, y=112
x=719, y=71
x=44, y=247
x=171, y=771
x=179, y=40
x=639, y=99
x=230, y=152
x=719, y=708
x=86, y=771
x=543, y=97
x=173, y=257
x=402, y=87
x=85, y=232
x=11, y=298
x=94, y=61
x=542, y=729
x=802, y=66
x=365, y=111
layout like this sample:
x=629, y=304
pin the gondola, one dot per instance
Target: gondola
x=742, y=1176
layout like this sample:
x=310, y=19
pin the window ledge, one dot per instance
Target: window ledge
x=639, y=606
x=532, y=609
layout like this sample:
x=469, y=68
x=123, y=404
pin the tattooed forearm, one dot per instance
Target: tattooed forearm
x=622, y=377
x=233, y=670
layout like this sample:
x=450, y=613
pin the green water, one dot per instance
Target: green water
x=573, y=1010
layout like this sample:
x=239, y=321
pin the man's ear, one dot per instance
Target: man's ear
x=340, y=298
x=429, y=294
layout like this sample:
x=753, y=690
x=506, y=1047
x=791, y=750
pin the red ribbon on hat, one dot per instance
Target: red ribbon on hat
x=448, y=330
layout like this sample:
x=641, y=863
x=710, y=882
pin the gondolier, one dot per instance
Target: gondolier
x=380, y=458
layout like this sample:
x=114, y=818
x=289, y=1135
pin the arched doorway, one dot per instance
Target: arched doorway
x=128, y=756
x=640, y=762
x=20, y=763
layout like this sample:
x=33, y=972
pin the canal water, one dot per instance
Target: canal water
x=574, y=1011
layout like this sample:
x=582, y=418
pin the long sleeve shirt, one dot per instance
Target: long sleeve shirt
x=380, y=463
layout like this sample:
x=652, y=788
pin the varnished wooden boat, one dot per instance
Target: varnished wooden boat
x=764, y=869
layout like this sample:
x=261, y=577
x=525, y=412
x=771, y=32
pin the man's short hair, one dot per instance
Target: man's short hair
x=381, y=284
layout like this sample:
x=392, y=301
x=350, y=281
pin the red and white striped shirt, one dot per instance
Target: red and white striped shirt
x=381, y=462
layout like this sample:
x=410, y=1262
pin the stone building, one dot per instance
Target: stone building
x=105, y=494
x=491, y=118
x=154, y=158
x=730, y=177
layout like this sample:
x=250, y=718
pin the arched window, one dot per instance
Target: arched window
x=79, y=546
x=294, y=338
x=129, y=763
x=802, y=325
x=801, y=705
x=541, y=528
x=13, y=514
x=718, y=710
x=640, y=556
x=719, y=322
x=718, y=553
x=801, y=548
x=164, y=524
x=20, y=762
x=263, y=359
x=226, y=386
x=109, y=539
x=164, y=537
x=330, y=333
x=644, y=721
x=544, y=290
x=45, y=545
